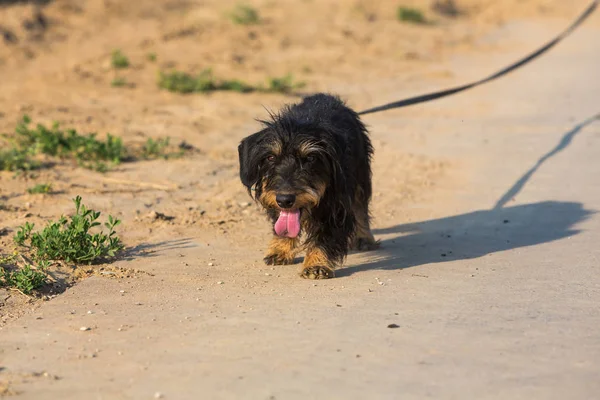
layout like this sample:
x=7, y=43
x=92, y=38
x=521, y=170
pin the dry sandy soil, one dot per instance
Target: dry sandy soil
x=357, y=49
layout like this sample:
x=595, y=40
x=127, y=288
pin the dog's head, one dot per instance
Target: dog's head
x=289, y=166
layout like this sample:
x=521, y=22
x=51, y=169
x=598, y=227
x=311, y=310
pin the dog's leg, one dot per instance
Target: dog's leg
x=363, y=238
x=317, y=265
x=282, y=251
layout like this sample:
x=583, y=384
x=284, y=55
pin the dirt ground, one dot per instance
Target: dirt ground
x=61, y=72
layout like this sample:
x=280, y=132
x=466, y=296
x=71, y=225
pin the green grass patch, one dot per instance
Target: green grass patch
x=70, y=239
x=14, y=159
x=87, y=150
x=244, y=14
x=204, y=82
x=119, y=60
x=40, y=188
x=412, y=15
x=159, y=148
x=151, y=57
x=284, y=84
x=119, y=81
x=25, y=279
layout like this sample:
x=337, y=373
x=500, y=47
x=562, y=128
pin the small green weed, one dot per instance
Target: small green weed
x=87, y=150
x=119, y=81
x=245, y=15
x=284, y=84
x=155, y=148
x=151, y=57
x=70, y=240
x=407, y=14
x=25, y=279
x=40, y=188
x=16, y=159
x=181, y=82
x=119, y=60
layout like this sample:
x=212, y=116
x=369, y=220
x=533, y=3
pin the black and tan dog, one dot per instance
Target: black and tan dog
x=310, y=169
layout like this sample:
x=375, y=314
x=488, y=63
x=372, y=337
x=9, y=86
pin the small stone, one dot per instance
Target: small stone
x=121, y=291
x=210, y=264
x=220, y=283
x=393, y=326
x=85, y=328
x=158, y=395
x=90, y=312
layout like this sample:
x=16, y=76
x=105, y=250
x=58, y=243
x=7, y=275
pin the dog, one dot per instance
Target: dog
x=310, y=169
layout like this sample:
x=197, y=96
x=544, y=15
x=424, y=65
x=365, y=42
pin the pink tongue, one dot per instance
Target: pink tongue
x=288, y=223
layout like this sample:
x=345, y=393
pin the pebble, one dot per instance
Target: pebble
x=158, y=395
x=85, y=328
x=210, y=264
x=220, y=283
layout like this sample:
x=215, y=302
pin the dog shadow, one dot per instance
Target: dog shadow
x=472, y=235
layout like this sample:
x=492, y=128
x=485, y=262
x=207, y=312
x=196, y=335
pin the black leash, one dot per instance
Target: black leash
x=443, y=93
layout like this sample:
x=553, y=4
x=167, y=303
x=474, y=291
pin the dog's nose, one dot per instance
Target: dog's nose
x=285, y=200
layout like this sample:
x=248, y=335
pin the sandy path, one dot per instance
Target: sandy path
x=490, y=302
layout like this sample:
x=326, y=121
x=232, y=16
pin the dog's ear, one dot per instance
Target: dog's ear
x=248, y=152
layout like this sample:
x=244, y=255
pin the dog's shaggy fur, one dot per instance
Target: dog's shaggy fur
x=310, y=169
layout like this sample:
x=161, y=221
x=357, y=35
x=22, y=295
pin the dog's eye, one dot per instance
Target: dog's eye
x=271, y=158
x=309, y=158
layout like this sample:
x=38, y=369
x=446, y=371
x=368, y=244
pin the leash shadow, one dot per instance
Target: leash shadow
x=473, y=235
x=564, y=142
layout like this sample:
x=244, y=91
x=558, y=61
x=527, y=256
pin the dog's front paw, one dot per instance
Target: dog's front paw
x=317, y=272
x=277, y=259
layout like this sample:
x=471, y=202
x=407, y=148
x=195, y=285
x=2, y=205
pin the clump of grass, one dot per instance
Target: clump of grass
x=412, y=15
x=119, y=81
x=284, y=84
x=155, y=148
x=89, y=151
x=181, y=82
x=151, y=57
x=70, y=240
x=15, y=159
x=119, y=60
x=245, y=15
x=40, y=188
x=26, y=279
